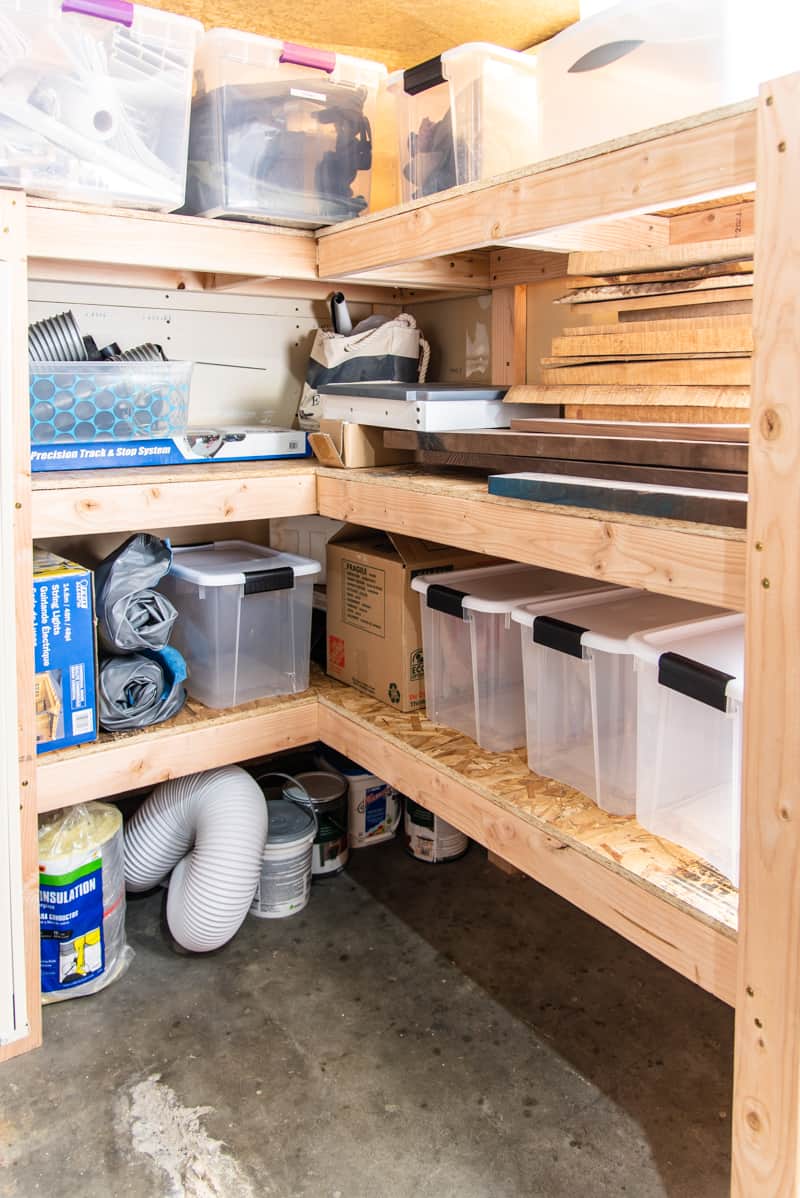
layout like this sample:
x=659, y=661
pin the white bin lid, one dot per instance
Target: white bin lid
x=227, y=563
x=608, y=621
x=499, y=589
x=716, y=645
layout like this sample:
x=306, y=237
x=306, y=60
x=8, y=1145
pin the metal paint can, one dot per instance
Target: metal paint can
x=326, y=794
x=431, y=839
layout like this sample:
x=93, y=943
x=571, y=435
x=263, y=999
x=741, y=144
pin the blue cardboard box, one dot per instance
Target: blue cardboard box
x=64, y=652
x=196, y=445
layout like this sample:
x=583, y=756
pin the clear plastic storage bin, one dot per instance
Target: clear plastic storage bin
x=580, y=688
x=94, y=101
x=473, y=663
x=108, y=401
x=244, y=620
x=690, y=704
x=280, y=132
x=648, y=62
x=466, y=115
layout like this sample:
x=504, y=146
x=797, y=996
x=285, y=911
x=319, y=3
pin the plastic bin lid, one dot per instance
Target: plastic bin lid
x=715, y=643
x=607, y=621
x=287, y=821
x=499, y=589
x=526, y=62
x=227, y=563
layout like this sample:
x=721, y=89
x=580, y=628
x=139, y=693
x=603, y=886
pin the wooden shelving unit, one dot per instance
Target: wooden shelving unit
x=498, y=235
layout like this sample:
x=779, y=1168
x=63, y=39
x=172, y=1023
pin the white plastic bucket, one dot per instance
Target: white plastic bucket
x=284, y=883
x=431, y=839
x=374, y=808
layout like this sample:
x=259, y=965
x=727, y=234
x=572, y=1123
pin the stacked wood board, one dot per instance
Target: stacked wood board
x=682, y=342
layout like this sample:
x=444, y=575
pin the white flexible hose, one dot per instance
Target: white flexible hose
x=209, y=829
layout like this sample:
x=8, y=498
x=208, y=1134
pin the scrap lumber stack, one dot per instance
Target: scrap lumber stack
x=680, y=349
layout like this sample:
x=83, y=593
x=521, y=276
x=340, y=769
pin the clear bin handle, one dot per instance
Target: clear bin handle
x=603, y=56
x=308, y=56
x=120, y=11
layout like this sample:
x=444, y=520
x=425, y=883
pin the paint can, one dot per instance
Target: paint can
x=326, y=794
x=429, y=838
x=374, y=808
x=284, y=883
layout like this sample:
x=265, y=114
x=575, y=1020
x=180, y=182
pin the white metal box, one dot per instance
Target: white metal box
x=280, y=132
x=94, y=101
x=690, y=713
x=473, y=661
x=244, y=620
x=465, y=115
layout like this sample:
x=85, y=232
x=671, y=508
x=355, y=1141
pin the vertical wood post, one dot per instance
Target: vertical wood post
x=766, y=1115
x=17, y=731
x=509, y=335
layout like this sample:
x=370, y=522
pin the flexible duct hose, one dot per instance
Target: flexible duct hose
x=210, y=830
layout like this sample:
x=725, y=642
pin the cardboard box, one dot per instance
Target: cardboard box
x=354, y=446
x=374, y=625
x=195, y=445
x=64, y=652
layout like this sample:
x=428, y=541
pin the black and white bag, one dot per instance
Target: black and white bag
x=393, y=351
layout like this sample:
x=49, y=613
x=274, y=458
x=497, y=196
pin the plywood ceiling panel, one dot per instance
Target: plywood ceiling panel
x=399, y=33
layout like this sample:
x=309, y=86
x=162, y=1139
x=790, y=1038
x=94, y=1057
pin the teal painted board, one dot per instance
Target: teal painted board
x=638, y=499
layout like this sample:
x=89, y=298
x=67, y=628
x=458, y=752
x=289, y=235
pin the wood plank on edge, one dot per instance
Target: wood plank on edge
x=696, y=562
x=702, y=952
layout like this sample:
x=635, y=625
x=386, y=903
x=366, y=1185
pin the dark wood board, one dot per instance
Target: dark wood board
x=656, y=502
x=719, y=433
x=684, y=455
x=498, y=463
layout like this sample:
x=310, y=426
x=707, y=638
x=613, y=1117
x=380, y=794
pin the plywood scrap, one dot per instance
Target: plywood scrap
x=653, y=431
x=602, y=293
x=714, y=372
x=681, y=337
x=671, y=503
x=606, y=262
x=686, y=307
x=680, y=414
x=638, y=395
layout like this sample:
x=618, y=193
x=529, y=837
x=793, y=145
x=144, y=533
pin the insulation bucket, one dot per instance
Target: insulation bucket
x=284, y=883
x=374, y=808
x=81, y=901
x=326, y=794
x=429, y=838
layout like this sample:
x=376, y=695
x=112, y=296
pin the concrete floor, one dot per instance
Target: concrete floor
x=418, y=1032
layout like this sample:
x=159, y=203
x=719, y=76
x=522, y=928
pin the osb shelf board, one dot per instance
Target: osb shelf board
x=197, y=738
x=505, y=780
x=145, y=476
x=463, y=486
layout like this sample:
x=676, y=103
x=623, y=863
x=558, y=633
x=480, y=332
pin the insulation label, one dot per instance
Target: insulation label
x=71, y=922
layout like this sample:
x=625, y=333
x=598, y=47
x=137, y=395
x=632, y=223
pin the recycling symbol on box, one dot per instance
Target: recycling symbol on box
x=394, y=692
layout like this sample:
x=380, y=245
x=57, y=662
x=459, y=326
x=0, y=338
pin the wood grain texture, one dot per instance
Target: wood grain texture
x=711, y=153
x=93, y=501
x=729, y=220
x=649, y=891
x=602, y=293
x=720, y=433
x=679, y=414
x=707, y=270
x=740, y=323
x=609, y=262
x=197, y=738
x=696, y=372
x=702, y=563
x=766, y=1109
x=639, y=232
x=681, y=338
x=632, y=394
x=491, y=463
x=689, y=311
x=509, y=335
x=509, y=266
x=18, y=594
x=571, y=444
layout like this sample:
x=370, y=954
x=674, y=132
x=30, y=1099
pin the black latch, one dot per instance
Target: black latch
x=558, y=634
x=423, y=76
x=280, y=578
x=446, y=599
x=695, y=680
